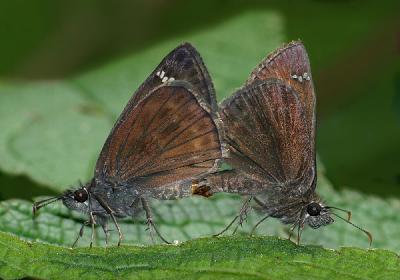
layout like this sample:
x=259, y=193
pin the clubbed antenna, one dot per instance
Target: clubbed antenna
x=363, y=230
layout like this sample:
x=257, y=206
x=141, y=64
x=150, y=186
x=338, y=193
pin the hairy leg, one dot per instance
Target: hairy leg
x=149, y=218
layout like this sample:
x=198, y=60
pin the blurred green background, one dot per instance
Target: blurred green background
x=354, y=48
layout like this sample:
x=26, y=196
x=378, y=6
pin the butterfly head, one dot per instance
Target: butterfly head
x=77, y=199
x=317, y=215
x=73, y=199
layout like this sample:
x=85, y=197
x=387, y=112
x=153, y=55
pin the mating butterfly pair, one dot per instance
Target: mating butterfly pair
x=170, y=138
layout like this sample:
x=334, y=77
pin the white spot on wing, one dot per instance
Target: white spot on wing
x=163, y=77
x=301, y=78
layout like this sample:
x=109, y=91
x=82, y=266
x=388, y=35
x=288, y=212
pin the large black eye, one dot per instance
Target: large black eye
x=80, y=195
x=314, y=209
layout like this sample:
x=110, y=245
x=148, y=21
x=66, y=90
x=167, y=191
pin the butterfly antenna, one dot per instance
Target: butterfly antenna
x=44, y=202
x=340, y=209
x=363, y=230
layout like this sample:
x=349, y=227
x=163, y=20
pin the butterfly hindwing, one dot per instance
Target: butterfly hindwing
x=266, y=129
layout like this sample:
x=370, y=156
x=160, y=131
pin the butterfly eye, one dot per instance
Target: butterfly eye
x=314, y=209
x=80, y=195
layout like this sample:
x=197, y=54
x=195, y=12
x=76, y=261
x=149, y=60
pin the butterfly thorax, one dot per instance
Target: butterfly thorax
x=121, y=198
x=103, y=197
x=287, y=208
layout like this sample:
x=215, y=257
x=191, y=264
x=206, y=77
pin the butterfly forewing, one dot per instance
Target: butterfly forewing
x=291, y=65
x=266, y=128
x=183, y=63
x=168, y=136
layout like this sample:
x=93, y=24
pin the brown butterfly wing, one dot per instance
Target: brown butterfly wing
x=167, y=137
x=266, y=129
x=284, y=64
x=183, y=63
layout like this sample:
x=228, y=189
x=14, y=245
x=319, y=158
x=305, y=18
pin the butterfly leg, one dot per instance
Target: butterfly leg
x=80, y=234
x=243, y=214
x=92, y=223
x=291, y=231
x=149, y=228
x=120, y=235
x=229, y=181
x=300, y=228
x=227, y=227
x=111, y=213
x=106, y=232
x=300, y=225
x=239, y=216
x=258, y=223
x=259, y=202
x=149, y=218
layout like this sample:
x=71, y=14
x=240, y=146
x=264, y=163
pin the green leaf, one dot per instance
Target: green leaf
x=196, y=217
x=53, y=131
x=209, y=258
x=47, y=133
